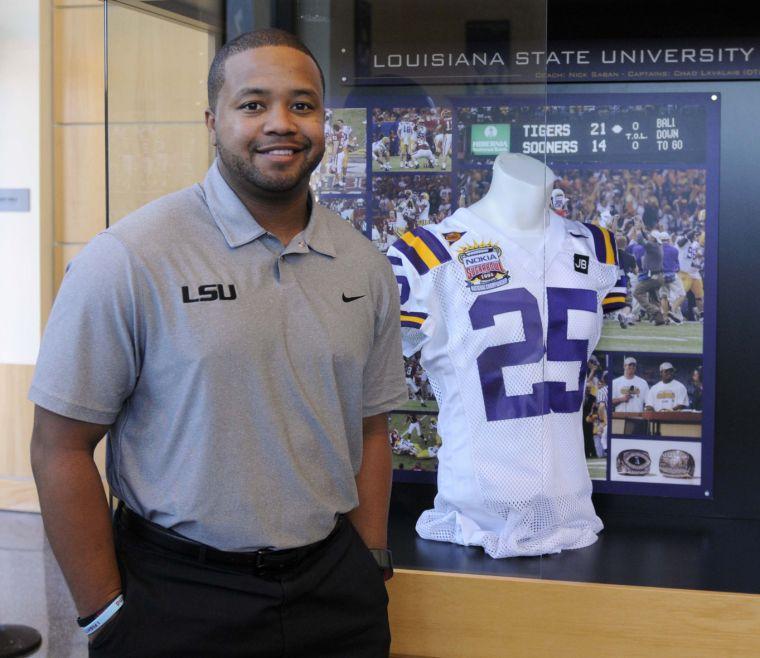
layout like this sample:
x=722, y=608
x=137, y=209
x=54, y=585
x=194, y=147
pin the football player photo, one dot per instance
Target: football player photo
x=414, y=440
x=402, y=203
x=411, y=138
x=343, y=166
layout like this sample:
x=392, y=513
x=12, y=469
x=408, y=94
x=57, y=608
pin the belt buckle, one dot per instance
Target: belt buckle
x=277, y=565
x=258, y=562
x=262, y=566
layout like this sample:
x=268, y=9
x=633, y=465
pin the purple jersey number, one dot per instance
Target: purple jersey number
x=403, y=282
x=546, y=396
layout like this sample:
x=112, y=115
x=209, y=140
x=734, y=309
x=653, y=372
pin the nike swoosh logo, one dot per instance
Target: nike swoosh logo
x=351, y=299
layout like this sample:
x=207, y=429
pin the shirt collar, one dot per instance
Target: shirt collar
x=230, y=214
x=239, y=227
x=317, y=232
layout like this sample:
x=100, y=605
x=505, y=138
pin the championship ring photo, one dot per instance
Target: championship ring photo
x=633, y=462
x=677, y=464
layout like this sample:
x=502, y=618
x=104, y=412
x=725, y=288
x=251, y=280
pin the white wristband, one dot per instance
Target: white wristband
x=104, y=616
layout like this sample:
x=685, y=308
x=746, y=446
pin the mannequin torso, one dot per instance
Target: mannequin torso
x=517, y=200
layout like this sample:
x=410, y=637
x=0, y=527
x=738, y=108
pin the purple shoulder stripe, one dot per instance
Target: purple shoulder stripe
x=411, y=255
x=432, y=243
x=599, y=245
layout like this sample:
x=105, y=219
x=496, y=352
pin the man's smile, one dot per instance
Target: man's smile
x=280, y=152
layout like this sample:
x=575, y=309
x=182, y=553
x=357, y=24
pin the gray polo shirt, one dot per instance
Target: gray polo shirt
x=235, y=373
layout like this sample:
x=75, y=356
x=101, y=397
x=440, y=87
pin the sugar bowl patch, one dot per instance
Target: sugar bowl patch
x=482, y=266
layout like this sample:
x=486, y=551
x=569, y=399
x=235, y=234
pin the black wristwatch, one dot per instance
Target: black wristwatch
x=384, y=559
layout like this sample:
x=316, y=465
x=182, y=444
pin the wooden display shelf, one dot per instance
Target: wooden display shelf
x=447, y=615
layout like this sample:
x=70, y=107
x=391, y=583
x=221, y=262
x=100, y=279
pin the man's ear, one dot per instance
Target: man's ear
x=211, y=124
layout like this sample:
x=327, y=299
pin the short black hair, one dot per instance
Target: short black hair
x=248, y=41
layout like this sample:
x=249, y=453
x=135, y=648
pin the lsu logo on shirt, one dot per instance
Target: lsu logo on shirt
x=454, y=236
x=482, y=266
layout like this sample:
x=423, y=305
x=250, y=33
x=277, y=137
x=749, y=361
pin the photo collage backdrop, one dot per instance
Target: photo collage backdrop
x=644, y=166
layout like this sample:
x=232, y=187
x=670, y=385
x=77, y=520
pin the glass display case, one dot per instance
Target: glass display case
x=645, y=141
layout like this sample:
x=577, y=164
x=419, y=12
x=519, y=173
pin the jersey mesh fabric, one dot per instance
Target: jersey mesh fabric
x=516, y=485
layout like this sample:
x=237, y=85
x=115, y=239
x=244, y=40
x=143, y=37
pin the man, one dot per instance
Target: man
x=598, y=417
x=668, y=394
x=672, y=293
x=243, y=372
x=405, y=130
x=650, y=278
x=343, y=141
x=410, y=373
x=444, y=136
x=589, y=400
x=381, y=153
x=444, y=208
x=432, y=437
x=628, y=268
x=423, y=209
x=559, y=202
x=413, y=426
x=326, y=162
x=629, y=391
x=690, y=259
x=421, y=148
x=408, y=210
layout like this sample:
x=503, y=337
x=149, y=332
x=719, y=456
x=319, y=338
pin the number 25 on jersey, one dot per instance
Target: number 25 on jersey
x=546, y=395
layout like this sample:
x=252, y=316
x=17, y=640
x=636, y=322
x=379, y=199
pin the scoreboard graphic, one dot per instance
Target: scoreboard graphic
x=645, y=134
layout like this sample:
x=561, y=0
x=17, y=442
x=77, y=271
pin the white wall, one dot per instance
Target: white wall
x=20, y=168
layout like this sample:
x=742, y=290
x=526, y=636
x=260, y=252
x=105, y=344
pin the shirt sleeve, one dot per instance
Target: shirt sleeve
x=411, y=259
x=615, y=299
x=384, y=383
x=89, y=356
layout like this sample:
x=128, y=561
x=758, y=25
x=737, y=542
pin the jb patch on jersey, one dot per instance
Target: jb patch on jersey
x=505, y=334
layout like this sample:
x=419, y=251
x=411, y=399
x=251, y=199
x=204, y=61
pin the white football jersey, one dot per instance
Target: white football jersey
x=423, y=206
x=379, y=149
x=344, y=137
x=505, y=336
x=405, y=128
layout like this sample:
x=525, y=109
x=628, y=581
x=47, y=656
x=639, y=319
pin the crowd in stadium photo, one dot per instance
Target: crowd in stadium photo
x=499, y=114
x=472, y=185
x=352, y=209
x=658, y=219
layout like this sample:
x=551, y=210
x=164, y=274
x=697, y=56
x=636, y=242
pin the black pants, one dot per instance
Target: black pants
x=331, y=604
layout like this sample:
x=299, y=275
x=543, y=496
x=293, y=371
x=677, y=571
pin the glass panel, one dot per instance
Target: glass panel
x=423, y=99
x=204, y=14
x=480, y=67
x=156, y=97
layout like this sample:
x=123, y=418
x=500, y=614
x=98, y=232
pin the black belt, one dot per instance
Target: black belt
x=263, y=561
